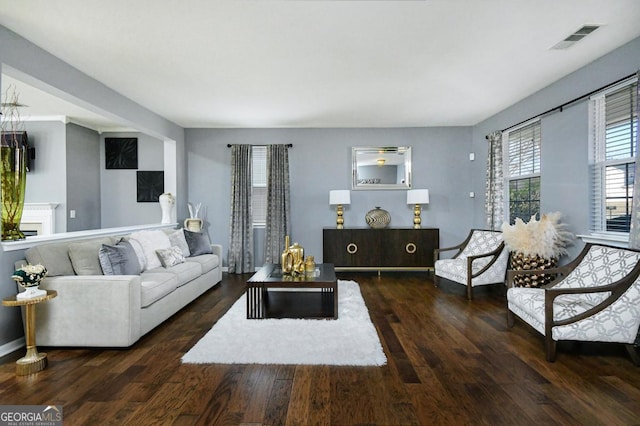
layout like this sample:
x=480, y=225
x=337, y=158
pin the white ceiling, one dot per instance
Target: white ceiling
x=315, y=63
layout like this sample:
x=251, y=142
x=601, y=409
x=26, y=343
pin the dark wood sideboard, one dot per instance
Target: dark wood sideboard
x=380, y=249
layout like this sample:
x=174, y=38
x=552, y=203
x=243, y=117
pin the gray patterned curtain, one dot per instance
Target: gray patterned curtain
x=634, y=231
x=278, y=204
x=241, y=227
x=494, y=190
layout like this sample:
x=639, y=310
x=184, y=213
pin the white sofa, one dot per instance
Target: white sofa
x=97, y=310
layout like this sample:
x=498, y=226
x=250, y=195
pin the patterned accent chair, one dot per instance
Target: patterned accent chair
x=595, y=298
x=481, y=259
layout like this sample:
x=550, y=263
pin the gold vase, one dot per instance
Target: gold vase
x=286, y=260
x=309, y=265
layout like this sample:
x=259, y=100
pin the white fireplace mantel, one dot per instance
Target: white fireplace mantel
x=40, y=217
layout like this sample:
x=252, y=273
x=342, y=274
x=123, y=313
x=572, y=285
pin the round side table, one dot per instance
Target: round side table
x=33, y=361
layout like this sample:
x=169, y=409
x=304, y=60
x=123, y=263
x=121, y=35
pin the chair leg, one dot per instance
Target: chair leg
x=469, y=292
x=550, y=346
x=510, y=318
x=633, y=353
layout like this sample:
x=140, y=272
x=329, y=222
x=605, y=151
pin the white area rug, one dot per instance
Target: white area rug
x=350, y=340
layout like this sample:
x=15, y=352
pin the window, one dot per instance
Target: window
x=614, y=123
x=259, y=194
x=523, y=171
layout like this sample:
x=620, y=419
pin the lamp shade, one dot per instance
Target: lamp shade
x=339, y=196
x=418, y=196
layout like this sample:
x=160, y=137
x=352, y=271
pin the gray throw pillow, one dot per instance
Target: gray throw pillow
x=119, y=259
x=198, y=243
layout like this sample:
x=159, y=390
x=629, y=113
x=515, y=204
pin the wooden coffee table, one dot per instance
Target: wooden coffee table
x=272, y=294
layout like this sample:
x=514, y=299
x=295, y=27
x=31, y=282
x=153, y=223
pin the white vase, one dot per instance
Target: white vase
x=31, y=293
x=166, y=204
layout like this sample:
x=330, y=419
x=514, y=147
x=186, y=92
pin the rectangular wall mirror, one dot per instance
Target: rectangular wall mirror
x=381, y=167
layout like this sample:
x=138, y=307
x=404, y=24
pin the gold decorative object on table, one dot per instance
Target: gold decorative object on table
x=33, y=361
x=292, y=258
x=309, y=265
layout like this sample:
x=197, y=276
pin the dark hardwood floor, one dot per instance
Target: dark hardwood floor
x=450, y=362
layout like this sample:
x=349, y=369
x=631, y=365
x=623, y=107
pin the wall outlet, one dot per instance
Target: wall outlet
x=472, y=194
x=472, y=156
x=72, y=214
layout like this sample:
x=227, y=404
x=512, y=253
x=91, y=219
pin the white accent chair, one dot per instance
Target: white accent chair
x=595, y=298
x=481, y=259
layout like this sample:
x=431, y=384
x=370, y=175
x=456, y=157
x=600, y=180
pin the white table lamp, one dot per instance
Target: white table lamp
x=417, y=197
x=339, y=198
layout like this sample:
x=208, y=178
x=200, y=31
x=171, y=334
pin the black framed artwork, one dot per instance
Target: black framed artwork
x=150, y=186
x=121, y=153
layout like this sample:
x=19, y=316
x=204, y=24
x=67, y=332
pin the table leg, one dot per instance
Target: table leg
x=33, y=361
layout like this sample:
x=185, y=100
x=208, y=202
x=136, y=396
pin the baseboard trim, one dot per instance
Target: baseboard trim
x=12, y=346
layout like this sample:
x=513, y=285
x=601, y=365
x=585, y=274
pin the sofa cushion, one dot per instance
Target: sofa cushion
x=54, y=257
x=156, y=285
x=150, y=242
x=119, y=259
x=184, y=272
x=170, y=257
x=206, y=261
x=84, y=255
x=198, y=242
x=177, y=239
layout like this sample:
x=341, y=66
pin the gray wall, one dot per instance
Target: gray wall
x=28, y=62
x=119, y=191
x=47, y=182
x=320, y=161
x=565, y=138
x=83, y=178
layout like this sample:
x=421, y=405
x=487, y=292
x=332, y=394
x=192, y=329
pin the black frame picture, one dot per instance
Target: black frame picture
x=150, y=185
x=121, y=153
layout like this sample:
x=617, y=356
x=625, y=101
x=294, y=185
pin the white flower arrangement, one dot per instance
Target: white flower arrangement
x=547, y=237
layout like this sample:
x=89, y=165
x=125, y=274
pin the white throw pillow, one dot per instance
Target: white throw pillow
x=137, y=247
x=150, y=242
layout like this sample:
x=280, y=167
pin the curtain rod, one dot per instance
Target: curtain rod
x=289, y=145
x=561, y=107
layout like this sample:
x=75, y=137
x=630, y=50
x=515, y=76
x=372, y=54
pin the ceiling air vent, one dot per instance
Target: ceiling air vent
x=576, y=36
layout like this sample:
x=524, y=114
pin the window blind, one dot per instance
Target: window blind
x=259, y=195
x=523, y=171
x=614, y=125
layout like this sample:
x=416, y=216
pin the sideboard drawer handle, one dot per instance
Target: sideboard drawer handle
x=352, y=248
x=410, y=248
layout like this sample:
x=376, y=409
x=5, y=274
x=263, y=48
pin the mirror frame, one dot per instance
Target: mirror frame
x=383, y=151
